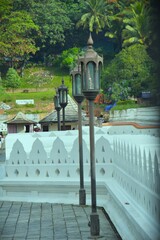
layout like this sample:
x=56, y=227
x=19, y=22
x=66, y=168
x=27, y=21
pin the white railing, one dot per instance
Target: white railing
x=138, y=173
x=130, y=164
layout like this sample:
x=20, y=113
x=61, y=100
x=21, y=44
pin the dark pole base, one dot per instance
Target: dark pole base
x=94, y=225
x=82, y=197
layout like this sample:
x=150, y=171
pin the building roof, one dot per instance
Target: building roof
x=71, y=113
x=20, y=118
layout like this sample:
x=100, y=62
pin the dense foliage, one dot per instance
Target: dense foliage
x=68, y=58
x=129, y=73
x=49, y=31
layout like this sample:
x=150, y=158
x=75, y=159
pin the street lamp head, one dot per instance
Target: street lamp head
x=63, y=95
x=91, y=65
x=56, y=101
x=77, y=84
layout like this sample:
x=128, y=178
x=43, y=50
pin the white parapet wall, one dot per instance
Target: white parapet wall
x=146, y=115
x=44, y=166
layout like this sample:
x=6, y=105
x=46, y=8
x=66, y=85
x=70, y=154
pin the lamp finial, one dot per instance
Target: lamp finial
x=90, y=41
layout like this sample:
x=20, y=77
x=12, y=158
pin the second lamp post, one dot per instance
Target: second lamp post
x=79, y=97
x=58, y=108
x=63, y=99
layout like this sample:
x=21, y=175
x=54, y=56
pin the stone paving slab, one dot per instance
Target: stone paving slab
x=48, y=221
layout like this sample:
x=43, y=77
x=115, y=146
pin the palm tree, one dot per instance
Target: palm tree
x=95, y=18
x=115, y=18
x=137, y=25
x=116, y=11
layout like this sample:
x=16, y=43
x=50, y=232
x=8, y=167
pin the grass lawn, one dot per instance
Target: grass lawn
x=42, y=92
x=41, y=83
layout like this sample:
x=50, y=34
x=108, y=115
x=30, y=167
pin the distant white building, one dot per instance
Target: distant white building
x=20, y=123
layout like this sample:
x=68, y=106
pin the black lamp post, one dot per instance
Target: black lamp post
x=91, y=64
x=79, y=97
x=63, y=99
x=58, y=108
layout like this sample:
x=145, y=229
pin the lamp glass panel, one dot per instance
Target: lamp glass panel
x=83, y=76
x=97, y=81
x=61, y=96
x=91, y=75
x=78, y=87
x=64, y=97
x=55, y=101
x=100, y=70
x=73, y=86
x=98, y=75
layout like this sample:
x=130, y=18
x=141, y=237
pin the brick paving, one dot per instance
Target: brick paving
x=48, y=221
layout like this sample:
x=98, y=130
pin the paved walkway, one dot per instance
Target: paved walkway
x=33, y=221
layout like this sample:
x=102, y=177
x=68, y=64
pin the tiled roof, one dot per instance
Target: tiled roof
x=71, y=113
x=20, y=118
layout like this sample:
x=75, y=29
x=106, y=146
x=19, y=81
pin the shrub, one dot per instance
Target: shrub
x=68, y=58
x=12, y=79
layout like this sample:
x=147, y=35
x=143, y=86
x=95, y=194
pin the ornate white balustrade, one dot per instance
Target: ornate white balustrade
x=127, y=173
x=138, y=173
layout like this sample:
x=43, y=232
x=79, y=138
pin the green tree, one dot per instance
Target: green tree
x=5, y=7
x=57, y=23
x=95, y=18
x=116, y=10
x=68, y=58
x=74, y=37
x=138, y=24
x=12, y=79
x=118, y=92
x=154, y=49
x=21, y=5
x=133, y=69
x=52, y=18
x=17, y=36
